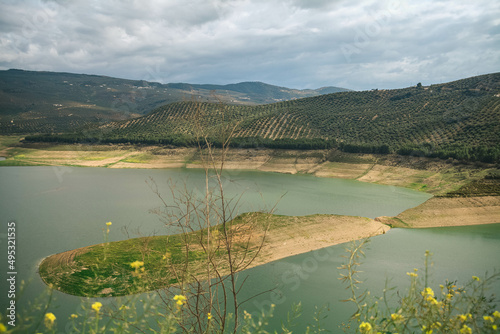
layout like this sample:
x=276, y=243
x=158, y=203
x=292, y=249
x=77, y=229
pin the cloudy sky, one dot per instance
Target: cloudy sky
x=294, y=43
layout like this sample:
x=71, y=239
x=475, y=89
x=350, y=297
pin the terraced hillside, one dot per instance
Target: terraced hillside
x=457, y=119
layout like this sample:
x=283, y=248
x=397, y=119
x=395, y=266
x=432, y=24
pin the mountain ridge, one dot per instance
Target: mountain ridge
x=39, y=91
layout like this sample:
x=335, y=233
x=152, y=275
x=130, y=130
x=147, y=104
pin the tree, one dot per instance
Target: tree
x=212, y=230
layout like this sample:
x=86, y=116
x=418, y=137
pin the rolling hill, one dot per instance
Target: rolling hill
x=459, y=119
x=32, y=102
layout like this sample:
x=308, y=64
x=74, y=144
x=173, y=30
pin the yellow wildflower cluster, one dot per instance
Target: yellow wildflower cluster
x=137, y=264
x=413, y=274
x=464, y=317
x=493, y=320
x=428, y=293
x=49, y=320
x=96, y=307
x=396, y=317
x=365, y=327
x=426, y=331
x=180, y=299
x=2, y=328
x=465, y=330
x=209, y=316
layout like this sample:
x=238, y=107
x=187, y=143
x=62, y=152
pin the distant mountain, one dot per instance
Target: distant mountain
x=259, y=92
x=458, y=119
x=53, y=102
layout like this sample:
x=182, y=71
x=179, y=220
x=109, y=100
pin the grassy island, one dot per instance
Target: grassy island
x=150, y=263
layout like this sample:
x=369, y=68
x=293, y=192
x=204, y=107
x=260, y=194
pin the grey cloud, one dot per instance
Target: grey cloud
x=295, y=43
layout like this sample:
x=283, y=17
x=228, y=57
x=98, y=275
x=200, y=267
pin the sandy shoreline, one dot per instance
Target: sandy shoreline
x=308, y=233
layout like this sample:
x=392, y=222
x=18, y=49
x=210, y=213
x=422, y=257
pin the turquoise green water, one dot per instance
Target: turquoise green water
x=311, y=278
x=58, y=209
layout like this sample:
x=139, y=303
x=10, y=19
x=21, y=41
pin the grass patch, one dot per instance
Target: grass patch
x=139, y=158
x=9, y=141
x=12, y=162
x=418, y=186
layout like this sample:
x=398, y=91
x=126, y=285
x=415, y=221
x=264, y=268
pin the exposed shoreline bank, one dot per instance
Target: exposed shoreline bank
x=433, y=176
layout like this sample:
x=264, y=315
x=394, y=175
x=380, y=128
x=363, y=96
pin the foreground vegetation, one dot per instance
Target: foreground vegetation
x=417, y=308
x=463, y=309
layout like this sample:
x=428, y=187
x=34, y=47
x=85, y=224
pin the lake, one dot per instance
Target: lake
x=62, y=208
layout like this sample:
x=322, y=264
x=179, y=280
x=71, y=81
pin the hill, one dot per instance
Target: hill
x=32, y=102
x=459, y=119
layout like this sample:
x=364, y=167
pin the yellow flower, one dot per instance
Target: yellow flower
x=465, y=330
x=428, y=292
x=96, y=306
x=365, y=327
x=412, y=274
x=487, y=317
x=247, y=316
x=495, y=327
x=475, y=278
x=433, y=301
x=462, y=317
x=137, y=264
x=496, y=314
x=49, y=319
x=180, y=299
x=437, y=324
x=109, y=223
x=2, y=328
x=397, y=317
x=428, y=331
x=74, y=316
x=209, y=315
x=124, y=307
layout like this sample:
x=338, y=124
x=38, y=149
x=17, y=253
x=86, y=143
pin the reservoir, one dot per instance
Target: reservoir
x=61, y=208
